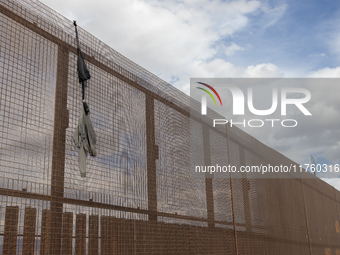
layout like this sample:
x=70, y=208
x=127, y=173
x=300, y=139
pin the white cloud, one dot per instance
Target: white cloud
x=175, y=40
x=230, y=50
x=318, y=55
x=273, y=15
x=326, y=73
x=218, y=68
x=263, y=70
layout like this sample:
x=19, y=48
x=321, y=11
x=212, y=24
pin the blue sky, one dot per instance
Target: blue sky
x=297, y=36
x=179, y=39
x=173, y=38
x=300, y=39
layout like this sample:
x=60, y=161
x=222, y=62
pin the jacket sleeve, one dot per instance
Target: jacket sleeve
x=91, y=135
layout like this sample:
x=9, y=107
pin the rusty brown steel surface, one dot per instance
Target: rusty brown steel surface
x=104, y=236
x=80, y=233
x=306, y=215
x=29, y=231
x=151, y=164
x=67, y=233
x=208, y=180
x=46, y=232
x=93, y=234
x=232, y=193
x=59, y=135
x=138, y=196
x=10, y=230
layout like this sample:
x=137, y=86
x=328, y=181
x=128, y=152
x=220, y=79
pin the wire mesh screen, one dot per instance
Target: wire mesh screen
x=138, y=196
x=176, y=191
x=118, y=116
x=28, y=76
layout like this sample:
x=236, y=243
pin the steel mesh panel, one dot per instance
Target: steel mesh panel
x=22, y=205
x=320, y=200
x=62, y=28
x=284, y=220
x=221, y=187
x=176, y=191
x=337, y=200
x=27, y=93
x=118, y=116
x=278, y=219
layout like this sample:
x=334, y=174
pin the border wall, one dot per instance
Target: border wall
x=138, y=196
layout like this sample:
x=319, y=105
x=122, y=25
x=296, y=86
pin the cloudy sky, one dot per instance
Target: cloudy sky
x=179, y=39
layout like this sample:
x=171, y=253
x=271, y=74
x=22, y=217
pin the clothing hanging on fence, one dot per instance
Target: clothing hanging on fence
x=84, y=136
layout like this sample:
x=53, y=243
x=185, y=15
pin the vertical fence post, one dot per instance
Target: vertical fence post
x=58, y=157
x=11, y=230
x=306, y=215
x=104, y=235
x=113, y=234
x=208, y=180
x=46, y=233
x=29, y=231
x=109, y=243
x=80, y=234
x=67, y=233
x=245, y=191
x=93, y=234
x=232, y=192
x=151, y=156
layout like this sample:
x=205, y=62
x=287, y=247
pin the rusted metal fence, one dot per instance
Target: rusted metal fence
x=138, y=196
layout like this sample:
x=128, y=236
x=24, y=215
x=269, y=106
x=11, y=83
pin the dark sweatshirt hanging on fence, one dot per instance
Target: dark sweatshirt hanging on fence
x=84, y=136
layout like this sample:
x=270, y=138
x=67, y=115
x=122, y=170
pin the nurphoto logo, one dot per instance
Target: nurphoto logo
x=279, y=99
